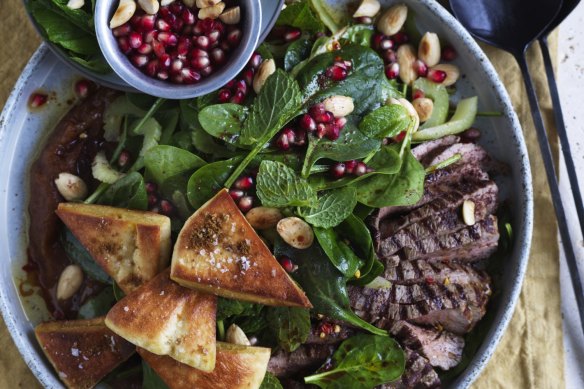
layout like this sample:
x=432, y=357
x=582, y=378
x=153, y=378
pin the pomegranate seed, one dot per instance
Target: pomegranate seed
x=164, y=11
x=183, y=47
x=167, y=39
x=282, y=142
x=360, y=169
x=202, y=42
x=341, y=122
x=124, y=158
x=237, y=98
x=200, y=62
x=421, y=68
x=392, y=71
x=176, y=66
x=122, y=30
x=333, y=132
x=300, y=137
x=206, y=72
x=386, y=44
x=152, y=199
x=145, y=48
x=124, y=45
x=166, y=207
x=224, y=95
x=449, y=53
x=178, y=24
x=389, y=56
x=147, y=22
x=350, y=166
x=399, y=137
x=438, y=76
x=307, y=123
x=316, y=110
x=37, y=100
x=418, y=94
x=170, y=18
x=165, y=61
x=376, y=40
x=321, y=130
x=401, y=37
x=244, y=183
x=139, y=60
x=190, y=76
x=158, y=48
x=338, y=170
x=82, y=88
x=152, y=67
x=236, y=194
x=162, y=25
x=176, y=7
x=290, y=134
x=162, y=75
x=241, y=86
x=231, y=83
x=364, y=20
x=187, y=16
x=248, y=76
x=234, y=37
x=136, y=21
x=287, y=264
x=214, y=36
x=255, y=61
x=218, y=56
x=292, y=35
x=245, y=204
x=225, y=46
x=151, y=187
x=325, y=117
x=196, y=52
x=336, y=73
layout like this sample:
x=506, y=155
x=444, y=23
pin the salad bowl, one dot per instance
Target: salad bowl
x=22, y=133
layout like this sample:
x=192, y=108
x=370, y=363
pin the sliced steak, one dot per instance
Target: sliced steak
x=427, y=151
x=470, y=154
x=443, y=349
x=331, y=338
x=303, y=361
x=415, y=272
x=419, y=374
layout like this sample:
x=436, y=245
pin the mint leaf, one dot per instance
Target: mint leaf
x=278, y=102
x=279, y=186
x=301, y=16
x=333, y=207
x=290, y=326
x=270, y=382
x=386, y=121
x=223, y=121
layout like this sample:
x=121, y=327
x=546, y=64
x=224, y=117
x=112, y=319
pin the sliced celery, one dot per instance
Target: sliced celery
x=463, y=118
x=439, y=95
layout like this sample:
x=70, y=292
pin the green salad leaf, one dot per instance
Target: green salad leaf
x=165, y=162
x=333, y=207
x=300, y=15
x=223, y=121
x=270, y=382
x=339, y=253
x=359, y=34
x=98, y=305
x=362, y=362
x=290, y=326
x=208, y=180
x=127, y=192
x=279, y=186
x=79, y=255
x=296, y=52
x=386, y=121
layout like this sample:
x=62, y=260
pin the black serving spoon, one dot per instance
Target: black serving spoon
x=513, y=25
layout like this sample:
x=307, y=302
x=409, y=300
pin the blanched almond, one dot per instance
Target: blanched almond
x=149, y=6
x=266, y=69
x=124, y=13
x=75, y=4
x=71, y=187
x=206, y=3
x=212, y=12
x=231, y=15
x=429, y=49
x=189, y=3
x=468, y=212
x=262, y=218
x=339, y=106
x=424, y=107
x=235, y=335
x=167, y=2
x=296, y=232
x=367, y=8
x=393, y=19
x=406, y=58
x=70, y=281
x=452, y=73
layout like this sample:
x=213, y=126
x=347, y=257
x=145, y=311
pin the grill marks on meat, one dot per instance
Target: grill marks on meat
x=302, y=361
x=419, y=374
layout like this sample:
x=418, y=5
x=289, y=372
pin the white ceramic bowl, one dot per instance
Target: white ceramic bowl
x=22, y=135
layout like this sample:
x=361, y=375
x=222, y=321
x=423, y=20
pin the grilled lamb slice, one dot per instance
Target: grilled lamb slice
x=443, y=349
x=470, y=153
x=415, y=272
x=333, y=338
x=469, y=244
x=304, y=360
x=427, y=151
x=419, y=374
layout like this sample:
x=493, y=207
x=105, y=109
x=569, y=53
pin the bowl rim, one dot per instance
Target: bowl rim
x=523, y=235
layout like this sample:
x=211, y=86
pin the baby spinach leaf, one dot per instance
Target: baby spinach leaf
x=362, y=362
x=168, y=119
x=151, y=380
x=352, y=144
x=385, y=121
x=290, y=326
x=339, y=253
x=333, y=207
x=300, y=15
x=279, y=186
x=359, y=34
x=296, y=52
x=98, y=305
x=404, y=188
x=79, y=255
x=165, y=162
x=95, y=63
x=323, y=284
x=270, y=382
x=223, y=121
x=208, y=180
x=127, y=192
x=79, y=16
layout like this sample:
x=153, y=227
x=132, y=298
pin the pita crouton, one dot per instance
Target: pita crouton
x=131, y=246
x=82, y=352
x=219, y=252
x=167, y=319
x=238, y=367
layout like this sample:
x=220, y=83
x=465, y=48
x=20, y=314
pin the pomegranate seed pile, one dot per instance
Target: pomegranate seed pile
x=174, y=45
x=243, y=192
x=156, y=203
x=236, y=90
x=353, y=168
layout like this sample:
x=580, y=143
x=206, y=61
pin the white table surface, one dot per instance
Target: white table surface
x=571, y=84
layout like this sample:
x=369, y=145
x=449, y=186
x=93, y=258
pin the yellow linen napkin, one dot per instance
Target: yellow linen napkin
x=531, y=353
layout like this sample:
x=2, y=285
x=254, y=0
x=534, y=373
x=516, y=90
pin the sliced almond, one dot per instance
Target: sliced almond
x=206, y=3
x=124, y=13
x=424, y=107
x=231, y=15
x=212, y=12
x=393, y=19
x=406, y=58
x=429, y=49
x=75, y=4
x=468, y=212
x=71, y=187
x=149, y=6
x=296, y=232
x=367, y=8
x=452, y=73
x=262, y=218
x=70, y=281
x=339, y=106
x=235, y=335
x=266, y=69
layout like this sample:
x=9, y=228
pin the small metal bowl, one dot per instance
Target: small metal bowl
x=251, y=29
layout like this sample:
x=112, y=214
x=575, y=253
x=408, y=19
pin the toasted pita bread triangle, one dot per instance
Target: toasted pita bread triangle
x=219, y=252
x=131, y=246
x=168, y=319
x=238, y=367
x=82, y=351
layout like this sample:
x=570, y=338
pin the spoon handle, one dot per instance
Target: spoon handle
x=561, y=127
x=548, y=162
